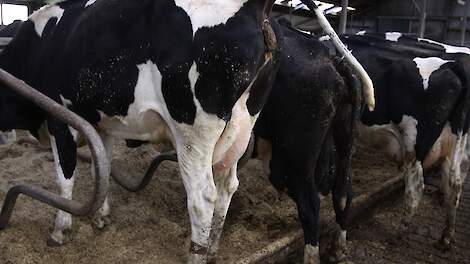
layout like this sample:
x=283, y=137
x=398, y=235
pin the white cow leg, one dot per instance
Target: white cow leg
x=195, y=162
x=414, y=187
x=101, y=217
x=452, y=189
x=227, y=185
x=412, y=168
x=311, y=254
x=63, y=220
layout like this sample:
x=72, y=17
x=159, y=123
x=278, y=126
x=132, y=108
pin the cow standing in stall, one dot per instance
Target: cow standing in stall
x=305, y=135
x=423, y=92
x=194, y=73
x=154, y=71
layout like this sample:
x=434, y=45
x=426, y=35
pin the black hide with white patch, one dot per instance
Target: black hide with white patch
x=90, y=57
x=399, y=89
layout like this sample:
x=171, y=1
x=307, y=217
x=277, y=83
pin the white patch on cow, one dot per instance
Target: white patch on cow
x=63, y=219
x=324, y=38
x=361, y=33
x=408, y=126
x=42, y=16
x=209, y=13
x=427, y=66
x=89, y=3
x=393, y=36
x=448, y=48
x=311, y=254
x=148, y=116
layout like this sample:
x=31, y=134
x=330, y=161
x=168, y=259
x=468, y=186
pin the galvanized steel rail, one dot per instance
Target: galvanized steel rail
x=98, y=153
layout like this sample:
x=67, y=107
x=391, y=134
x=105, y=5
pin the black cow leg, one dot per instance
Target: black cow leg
x=342, y=191
x=308, y=206
x=338, y=246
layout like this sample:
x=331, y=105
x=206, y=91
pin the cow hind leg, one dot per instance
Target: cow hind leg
x=227, y=185
x=412, y=166
x=101, y=217
x=63, y=220
x=414, y=186
x=342, y=198
x=452, y=189
x=195, y=162
x=308, y=206
x=343, y=134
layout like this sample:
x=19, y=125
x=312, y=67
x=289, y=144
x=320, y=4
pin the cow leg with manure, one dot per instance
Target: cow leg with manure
x=227, y=185
x=452, y=187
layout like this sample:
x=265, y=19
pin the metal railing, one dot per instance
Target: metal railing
x=98, y=153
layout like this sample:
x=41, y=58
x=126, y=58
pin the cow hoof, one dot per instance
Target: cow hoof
x=196, y=259
x=53, y=241
x=101, y=222
x=337, y=255
x=446, y=242
x=59, y=237
x=211, y=258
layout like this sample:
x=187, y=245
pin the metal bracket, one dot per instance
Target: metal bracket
x=98, y=153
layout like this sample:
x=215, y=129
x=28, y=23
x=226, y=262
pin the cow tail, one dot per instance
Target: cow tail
x=354, y=84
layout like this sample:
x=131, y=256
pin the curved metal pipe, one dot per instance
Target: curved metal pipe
x=95, y=144
x=134, y=185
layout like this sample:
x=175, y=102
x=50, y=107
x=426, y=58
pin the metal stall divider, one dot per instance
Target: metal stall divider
x=98, y=153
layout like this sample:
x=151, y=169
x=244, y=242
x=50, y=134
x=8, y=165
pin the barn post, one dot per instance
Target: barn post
x=464, y=22
x=422, y=19
x=344, y=17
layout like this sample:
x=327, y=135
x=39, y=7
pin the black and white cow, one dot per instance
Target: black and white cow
x=304, y=135
x=6, y=33
x=195, y=73
x=423, y=90
x=181, y=71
